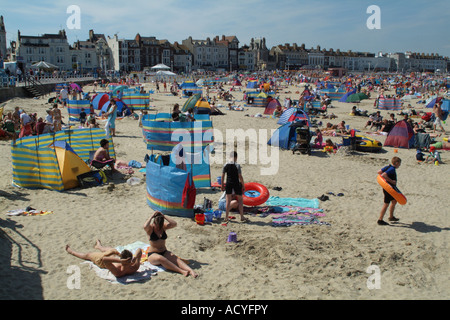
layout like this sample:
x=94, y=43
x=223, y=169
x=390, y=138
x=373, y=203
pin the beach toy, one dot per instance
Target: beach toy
x=232, y=237
x=217, y=214
x=219, y=180
x=395, y=150
x=200, y=218
x=209, y=216
x=392, y=190
x=436, y=163
x=255, y=194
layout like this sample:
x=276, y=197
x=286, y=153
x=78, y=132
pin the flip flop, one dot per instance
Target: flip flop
x=340, y=194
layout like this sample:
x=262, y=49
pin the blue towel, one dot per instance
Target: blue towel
x=297, y=202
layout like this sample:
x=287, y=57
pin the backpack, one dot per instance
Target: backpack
x=91, y=179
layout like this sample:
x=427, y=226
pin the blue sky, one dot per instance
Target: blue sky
x=418, y=26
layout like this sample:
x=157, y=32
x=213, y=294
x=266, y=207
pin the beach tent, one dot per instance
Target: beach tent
x=191, y=102
x=356, y=97
x=293, y=114
x=202, y=106
x=51, y=161
x=345, y=96
x=284, y=137
x=400, y=136
x=188, y=84
x=121, y=106
x=236, y=83
x=99, y=100
x=272, y=106
x=190, y=87
x=169, y=189
x=70, y=164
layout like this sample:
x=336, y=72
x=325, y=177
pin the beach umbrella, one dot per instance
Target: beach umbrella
x=160, y=66
x=44, y=65
x=74, y=86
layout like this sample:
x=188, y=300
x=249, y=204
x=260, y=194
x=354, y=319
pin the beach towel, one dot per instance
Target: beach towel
x=145, y=271
x=29, y=212
x=289, y=220
x=297, y=202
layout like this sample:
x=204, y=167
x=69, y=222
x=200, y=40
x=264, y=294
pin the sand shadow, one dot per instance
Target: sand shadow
x=22, y=281
x=19, y=196
x=420, y=227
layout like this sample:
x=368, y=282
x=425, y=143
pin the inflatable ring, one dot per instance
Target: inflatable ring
x=392, y=190
x=255, y=194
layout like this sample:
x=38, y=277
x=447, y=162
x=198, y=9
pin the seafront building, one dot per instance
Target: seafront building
x=100, y=53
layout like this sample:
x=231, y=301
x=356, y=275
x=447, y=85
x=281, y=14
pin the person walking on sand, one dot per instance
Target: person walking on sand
x=437, y=110
x=390, y=175
x=234, y=184
x=119, y=264
x=156, y=227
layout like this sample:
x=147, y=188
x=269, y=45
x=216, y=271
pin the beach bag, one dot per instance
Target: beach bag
x=90, y=179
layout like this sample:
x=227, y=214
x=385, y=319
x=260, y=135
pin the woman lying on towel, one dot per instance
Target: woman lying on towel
x=119, y=264
x=158, y=254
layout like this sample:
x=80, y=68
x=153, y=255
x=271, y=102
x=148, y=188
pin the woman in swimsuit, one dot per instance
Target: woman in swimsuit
x=158, y=254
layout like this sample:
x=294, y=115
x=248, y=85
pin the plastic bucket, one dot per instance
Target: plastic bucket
x=209, y=216
x=232, y=237
x=200, y=218
x=218, y=214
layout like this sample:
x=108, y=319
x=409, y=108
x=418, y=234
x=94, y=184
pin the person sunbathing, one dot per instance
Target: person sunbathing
x=119, y=264
x=156, y=227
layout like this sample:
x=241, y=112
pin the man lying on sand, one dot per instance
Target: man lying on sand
x=119, y=264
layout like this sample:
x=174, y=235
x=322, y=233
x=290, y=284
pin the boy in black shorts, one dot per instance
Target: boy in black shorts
x=233, y=184
x=390, y=175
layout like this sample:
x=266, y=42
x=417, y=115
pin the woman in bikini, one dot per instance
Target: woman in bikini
x=158, y=254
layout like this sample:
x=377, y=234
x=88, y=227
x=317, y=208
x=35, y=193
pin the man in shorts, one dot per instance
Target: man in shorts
x=437, y=110
x=234, y=184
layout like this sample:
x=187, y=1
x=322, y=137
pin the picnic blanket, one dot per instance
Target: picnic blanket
x=145, y=271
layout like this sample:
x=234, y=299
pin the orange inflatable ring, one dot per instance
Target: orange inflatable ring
x=255, y=194
x=392, y=190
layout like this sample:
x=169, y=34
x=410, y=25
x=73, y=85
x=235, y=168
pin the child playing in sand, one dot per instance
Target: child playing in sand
x=319, y=139
x=390, y=175
x=433, y=156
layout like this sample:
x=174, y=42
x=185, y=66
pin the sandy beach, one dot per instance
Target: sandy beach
x=309, y=262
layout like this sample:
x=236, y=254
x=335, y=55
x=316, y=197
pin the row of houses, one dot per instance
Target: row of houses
x=103, y=53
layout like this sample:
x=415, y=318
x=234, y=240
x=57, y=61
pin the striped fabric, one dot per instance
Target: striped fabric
x=136, y=100
x=315, y=105
x=389, y=104
x=159, y=135
x=36, y=167
x=74, y=108
x=258, y=102
x=82, y=141
x=35, y=164
x=332, y=94
x=59, y=87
